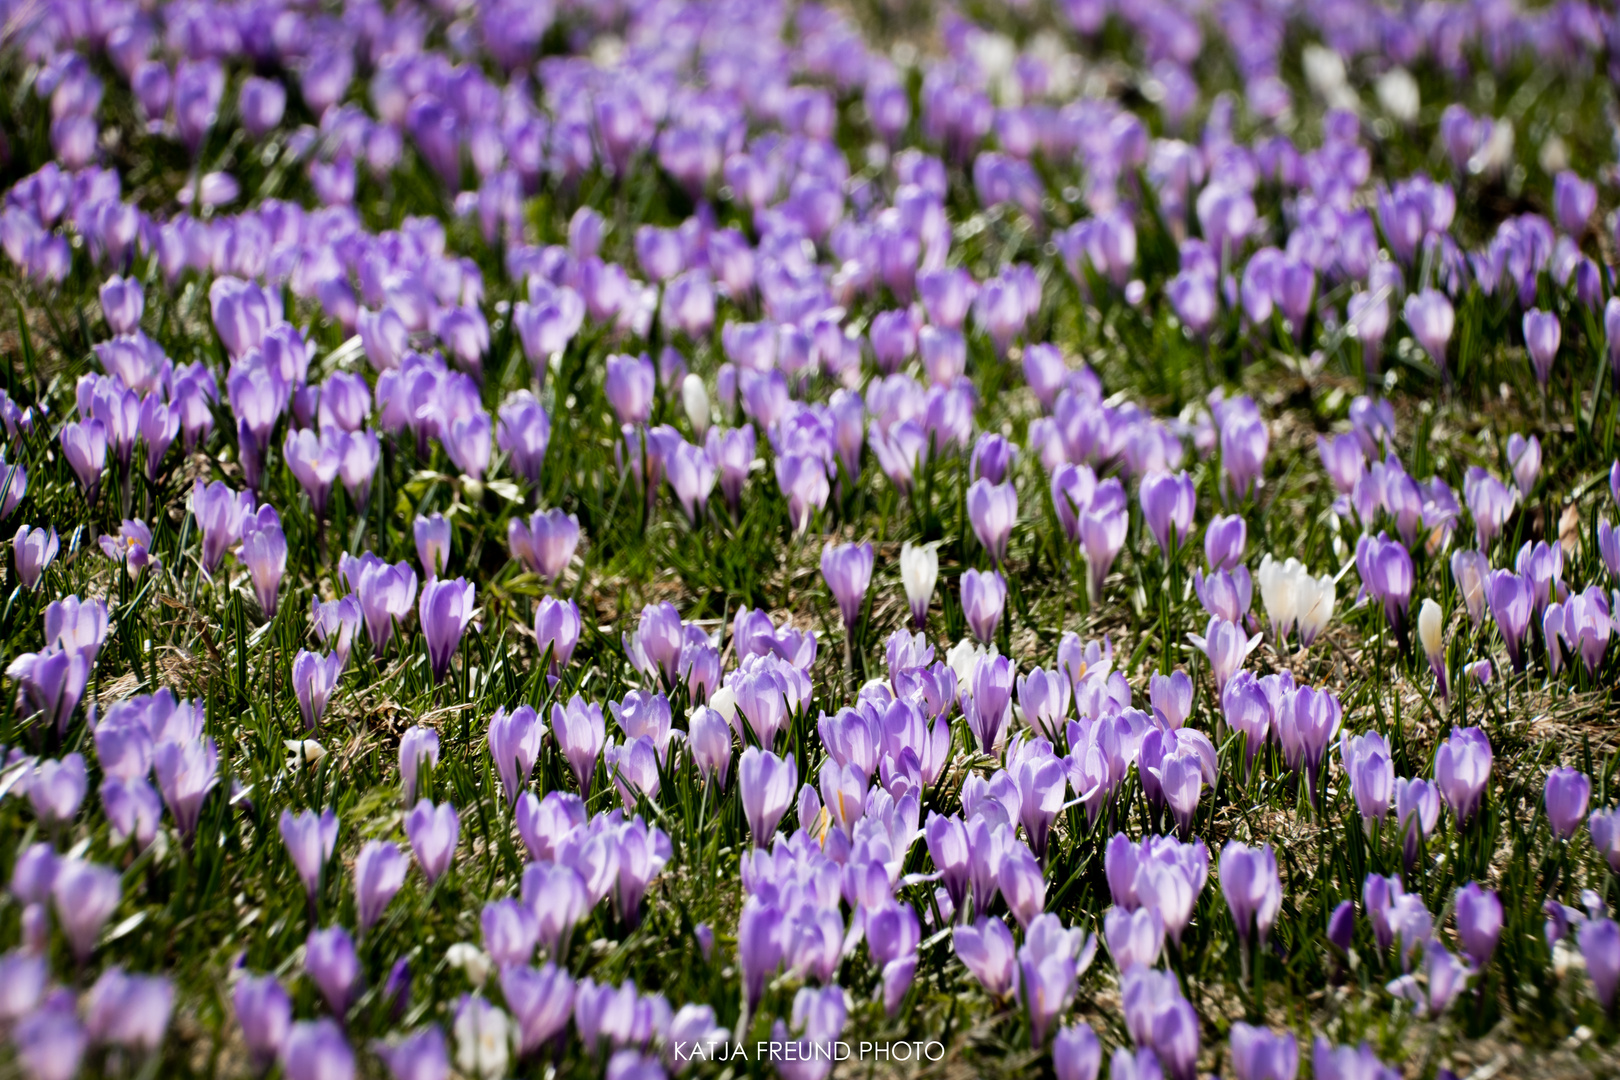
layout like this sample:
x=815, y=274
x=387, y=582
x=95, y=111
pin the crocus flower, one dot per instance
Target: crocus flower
x=1567, y=794
x=580, y=731
x=1168, y=502
x=432, y=831
x=1257, y=1054
x=84, y=446
x=1479, y=922
x=445, y=609
x=386, y=594
x=1600, y=947
x=767, y=784
x=264, y=1013
x=514, y=743
x=847, y=569
x=264, y=550
x=1245, y=441
x=310, y=840
x=432, y=544
x=1541, y=336
x=1252, y=888
x=1512, y=603
x=50, y=1042
x=422, y=1055
x=85, y=896
x=186, y=772
x=919, y=569
x=1386, y=572
x=557, y=627
x=993, y=511
x=545, y=543
x=1227, y=647
x=379, y=871
x=57, y=788
x=316, y=1050
x=32, y=551
x=984, y=596
x=1462, y=767
x=1432, y=318
x=417, y=746
x=314, y=678
x=1076, y=1053
x=1224, y=540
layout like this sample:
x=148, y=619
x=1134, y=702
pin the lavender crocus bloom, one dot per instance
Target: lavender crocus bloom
x=310, y=842
x=432, y=543
x=85, y=896
x=1512, y=604
x=557, y=627
x=1600, y=947
x=1462, y=767
x=422, y=1055
x=386, y=594
x=1387, y=573
x=1224, y=542
x=379, y=871
x=57, y=788
x=32, y=551
x=1541, y=337
x=445, y=609
x=264, y=550
x=417, y=746
x=580, y=731
x=50, y=1042
x=514, y=743
x=767, y=784
x=1245, y=441
x=1168, y=501
x=629, y=387
x=186, y=772
x=847, y=569
x=984, y=596
x=993, y=511
x=84, y=446
x=264, y=1013
x=1252, y=888
x=545, y=543
x=1257, y=1054
x=316, y=1050
x=314, y=678
x=1479, y=922
x=432, y=831
x=987, y=701
x=1227, y=647
x=1432, y=318
x=1568, y=792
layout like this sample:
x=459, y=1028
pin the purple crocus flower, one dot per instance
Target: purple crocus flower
x=379, y=871
x=1227, y=647
x=984, y=596
x=557, y=627
x=1479, y=922
x=1224, y=540
x=1245, y=441
x=50, y=1042
x=32, y=551
x=987, y=701
x=264, y=550
x=767, y=784
x=314, y=678
x=85, y=897
x=1252, y=888
x=445, y=609
x=1512, y=604
x=316, y=1050
x=1462, y=767
x=1076, y=1053
x=1387, y=573
x=545, y=543
x=993, y=511
x=264, y=1013
x=1432, y=318
x=422, y=1055
x=580, y=731
x=84, y=445
x=629, y=387
x=542, y=1002
x=310, y=842
x=1600, y=947
x=514, y=743
x=1168, y=501
x=1541, y=336
x=1257, y=1054
x=57, y=788
x=847, y=569
x=432, y=831
x=186, y=772
x=386, y=594
x=1567, y=793
x=432, y=544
